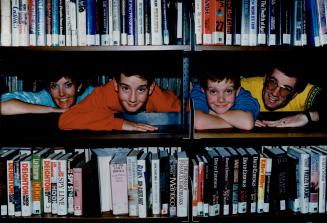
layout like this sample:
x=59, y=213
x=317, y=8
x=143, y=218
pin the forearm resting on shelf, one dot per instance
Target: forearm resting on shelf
x=15, y=107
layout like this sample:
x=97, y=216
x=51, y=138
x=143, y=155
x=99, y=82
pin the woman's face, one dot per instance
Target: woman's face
x=64, y=92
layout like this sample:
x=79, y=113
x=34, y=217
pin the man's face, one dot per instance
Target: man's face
x=63, y=92
x=221, y=95
x=133, y=92
x=278, y=90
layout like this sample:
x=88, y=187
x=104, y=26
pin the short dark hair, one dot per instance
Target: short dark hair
x=219, y=76
x=290, y=70
x=129, y=72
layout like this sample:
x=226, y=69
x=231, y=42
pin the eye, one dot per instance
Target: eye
x=229, y=91
x=142, y=89
x=53, y=86
x=68, y=84
x=212, y=92
x=124, y=88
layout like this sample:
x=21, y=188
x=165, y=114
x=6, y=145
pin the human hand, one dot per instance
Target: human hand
x=298, y=120
x=141, y=127
x=58, y=110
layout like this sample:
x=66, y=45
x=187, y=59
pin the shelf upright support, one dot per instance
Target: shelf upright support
x=185, y=91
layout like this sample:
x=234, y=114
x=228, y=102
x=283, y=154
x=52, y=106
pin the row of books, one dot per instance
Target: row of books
x=229, y=180
x=94, y=22
x=144, y=181
x=11, y=83
x=260, y=22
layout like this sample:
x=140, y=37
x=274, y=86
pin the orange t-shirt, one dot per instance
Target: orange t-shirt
x=96, y=112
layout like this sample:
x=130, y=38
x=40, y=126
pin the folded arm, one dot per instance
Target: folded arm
x=15, y=107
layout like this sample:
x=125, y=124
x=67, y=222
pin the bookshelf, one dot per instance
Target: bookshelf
x=183, y=60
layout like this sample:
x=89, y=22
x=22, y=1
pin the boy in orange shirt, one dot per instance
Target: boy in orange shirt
x=128, y=92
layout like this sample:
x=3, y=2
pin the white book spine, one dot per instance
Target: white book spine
x=68, y=23
x=268, y=175
x=62, y=188
x=179, y=34
x=46, y=181
x=198, y=21
x=26, y=187
x=195, y=190
x=119, y=188
x=54, y=186
x=105, y=183
x=10, y=187
x=110, y=22
x=132, y=186
x=155, y=175
x=140, y=22
x=23, y=24
x=156, y=23
x=15, y=22
x=115, y=22
x=73, y=22
x=5, y=23
x=142, y=201
x=253, y=23
x=182, y=186
x=81, y=22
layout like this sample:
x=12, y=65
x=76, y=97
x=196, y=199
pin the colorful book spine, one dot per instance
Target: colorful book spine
x=78, y=191
x=26, y=186
x=46, y=184
x=48, y=27
x=218, y=17
x=90, y=22
x=40, y=23
x=10, y=187
x=130, y=15
x=23, y=23
x=55, y=23
x=62, y=187
x=15, y=23
x=206, y=24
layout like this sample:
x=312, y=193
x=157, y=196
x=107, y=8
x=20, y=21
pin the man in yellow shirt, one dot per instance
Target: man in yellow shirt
x=283, y=90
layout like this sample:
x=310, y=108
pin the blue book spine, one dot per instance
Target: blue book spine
x=40, y=23
x=130, y=11
x=55, y=22
x=17, y=189
x=165, y=32
x=90, y=22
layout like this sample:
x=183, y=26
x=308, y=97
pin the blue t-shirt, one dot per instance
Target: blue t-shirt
x=244, y=101
x=42, y=97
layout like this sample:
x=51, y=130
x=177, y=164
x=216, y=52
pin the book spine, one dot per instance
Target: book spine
x=254, y=184
x=322, y=11
x=165, y=22
x=140, y=22
x=272, y=18
x=243, y=190
x=62, y=23
x=155, y=175
x=5, y=23
x=172, y=187
x=156, y=22
x=37, y=184
x=48, y=21
x=297, y=23
x=17, y=189
x=215, y=187
x=261, y=185
x=70, y=189
x=195, y=181
x=55, y=23
x=147, y=22
x=26, y=185
x=218, y=34
x=182, y=187
x=116, y=31
x=322, y=183
x=267, y=185
x=132, y=186
x=40, y=23
x=123, y=22
x=73, y=21
x=198, y=21
x=110, y=22
x=78, y=191
x=206, y=27
x=81, y=23
x=253, y=32
x=54, y=187
x=15, y=22
x=286, y=21
x=304, y=184
x=314, y=180
x=90, y=22
x=46, y=184
x=262, y=22
x=235, y=187
x=62, y=188
x=10, y=188
x=245, y=22
x=237, y=18
x=229, y=22
x=141, y=188
x=68, y=23
x=104, y=23
x=23, y=24
x=119, y=189
x=130, y=20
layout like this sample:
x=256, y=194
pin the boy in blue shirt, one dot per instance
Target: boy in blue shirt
x=220, y=102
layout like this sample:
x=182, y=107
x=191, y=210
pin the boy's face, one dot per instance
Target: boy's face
x=221, y=95
x=278, y=90
x=133, y=92
x=63, y=92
